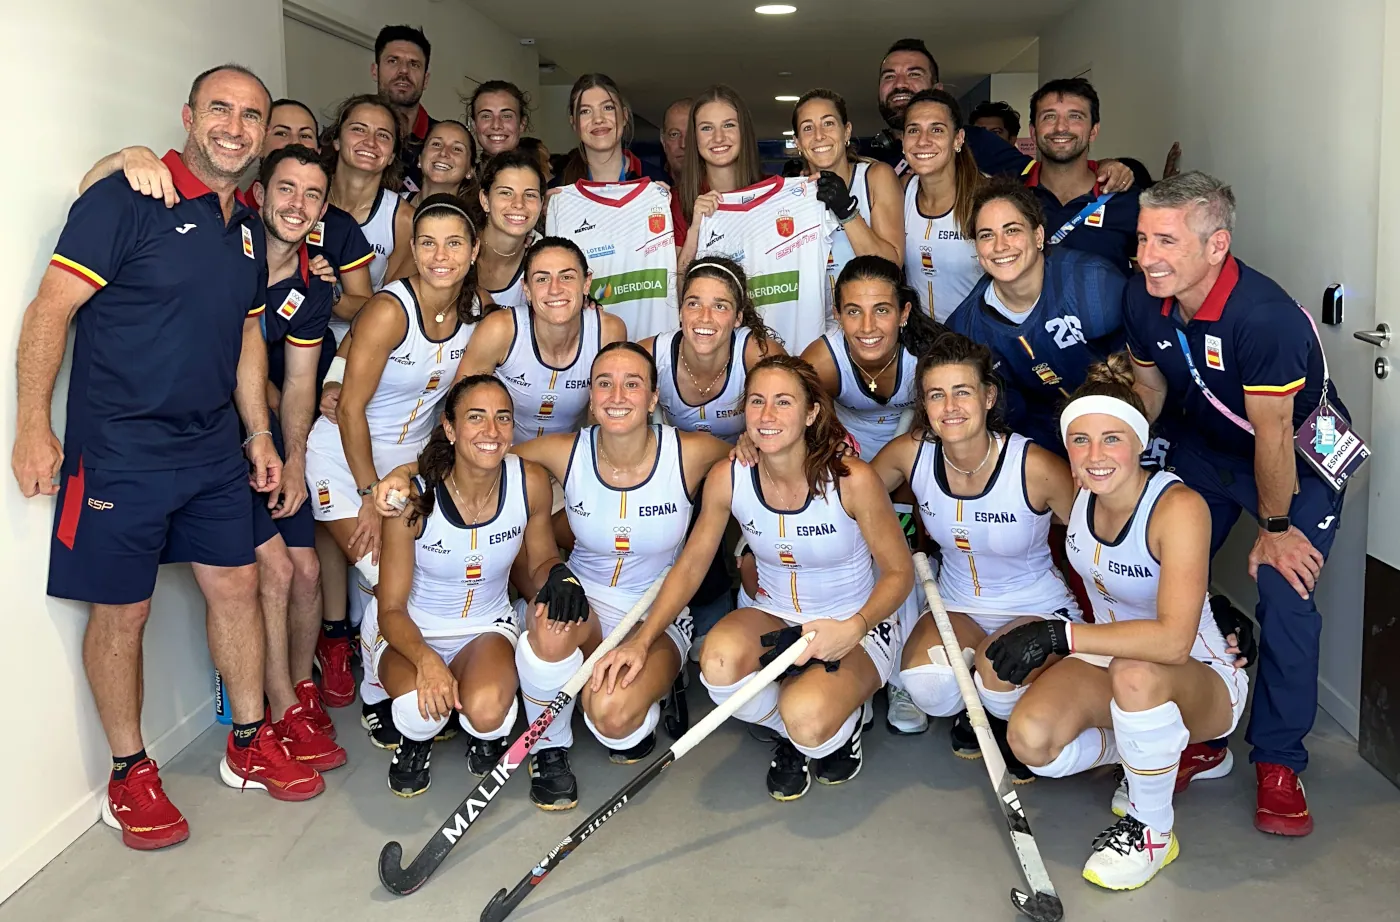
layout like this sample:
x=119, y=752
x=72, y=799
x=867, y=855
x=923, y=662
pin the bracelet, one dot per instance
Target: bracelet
x=248, y=441
x=864, y=620
x=366, y=491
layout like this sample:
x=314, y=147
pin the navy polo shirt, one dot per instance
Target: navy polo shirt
x=297, y=316
x=155, y=356
x=339, y=238
x=1249, y=337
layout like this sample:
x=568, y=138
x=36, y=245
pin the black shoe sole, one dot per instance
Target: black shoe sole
x=555, y=807
x=788, y=798
x=405, y=794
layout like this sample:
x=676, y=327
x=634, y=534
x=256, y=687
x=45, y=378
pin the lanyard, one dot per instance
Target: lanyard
x=1078, y=219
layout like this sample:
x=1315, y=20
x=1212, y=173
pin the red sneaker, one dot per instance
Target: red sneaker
x=264, y=764
x=1200, y=762
x=1282, y=806
x=310, y=697
x=305, y=741
x=337, y=682
x=137, y=805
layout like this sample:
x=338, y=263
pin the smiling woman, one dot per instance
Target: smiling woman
x=602, y=120
x=721, y=155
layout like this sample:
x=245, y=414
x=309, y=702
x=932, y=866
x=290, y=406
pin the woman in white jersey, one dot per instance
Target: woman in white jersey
x=512, y=193
x=1152, y=673
x=985, y=496
x=863, y=194
x=542, y=349
x=721, y=155
x=448, y=163
x=831, y=560
x=440, y=635
x=940, y=261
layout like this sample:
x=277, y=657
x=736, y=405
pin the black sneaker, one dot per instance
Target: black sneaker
x=408, y=773
x=636, y=754
x=843, y=764
x=788, y=774
x=1020, y=774
x=963, y=738
x=378, y=719
x=552, y=782
x=482, y=755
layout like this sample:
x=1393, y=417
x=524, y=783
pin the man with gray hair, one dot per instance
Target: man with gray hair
x=1231, y=368
x=673, y=127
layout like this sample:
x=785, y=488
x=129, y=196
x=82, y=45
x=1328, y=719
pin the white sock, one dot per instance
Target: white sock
x=649, y=722
x=1151, y=743
x=361, y=593
x=934, y=687
x=540, y=681
x=1088, y=750
x=497, y=733
x=371, y=692
x=842, y=737
x=998, y=703
x=761, y=709
x=412, y=724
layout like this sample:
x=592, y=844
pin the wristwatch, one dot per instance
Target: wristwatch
x=1277, y=524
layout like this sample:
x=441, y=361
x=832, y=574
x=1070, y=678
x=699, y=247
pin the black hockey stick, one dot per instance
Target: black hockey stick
x=503, y=903
x=403, y=881
x=1042, y=904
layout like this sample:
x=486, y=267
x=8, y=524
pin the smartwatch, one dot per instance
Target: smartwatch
x=1277, y=524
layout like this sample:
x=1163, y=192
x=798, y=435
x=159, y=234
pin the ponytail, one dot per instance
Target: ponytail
x=918, y=333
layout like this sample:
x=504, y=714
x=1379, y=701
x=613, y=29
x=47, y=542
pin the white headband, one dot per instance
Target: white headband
x=1108, y=406
x=706, y=265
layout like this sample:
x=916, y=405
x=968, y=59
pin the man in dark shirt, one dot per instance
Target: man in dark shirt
x=400, y=71
x=907, y=67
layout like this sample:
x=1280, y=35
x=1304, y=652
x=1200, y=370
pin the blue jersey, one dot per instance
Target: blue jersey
x=297, y=316
x=1077, y=321
x=156, y=349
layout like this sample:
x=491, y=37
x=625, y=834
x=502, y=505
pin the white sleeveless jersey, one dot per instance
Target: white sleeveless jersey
x=873, y=421
x=416, y=377
x=996, y=558
x=548, y=399
x=379, y=231
x=513, y=295
x=722, y=416
x=813, y=563
x=781, y=234
x=1121, y=577
x=624, y=228
x=461, y=571
x=841, y=251
x=624, y=538
x=939, y=263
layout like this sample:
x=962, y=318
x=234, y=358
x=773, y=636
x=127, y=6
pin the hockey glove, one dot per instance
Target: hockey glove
x=1023, y=650
x=780, y=641
x=1231, y=620
x=563, y=596
x=832, y=192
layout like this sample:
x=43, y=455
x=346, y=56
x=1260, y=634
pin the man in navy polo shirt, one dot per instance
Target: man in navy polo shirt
x=400, y=71
x=168, y=356
x=1227, y=356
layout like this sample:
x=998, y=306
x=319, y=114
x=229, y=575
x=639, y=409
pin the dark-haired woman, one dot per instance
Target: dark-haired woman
x=721, y=155
x=1152, y=673
x=512, y=194
x=400, y=363
x=440, y=634
x=499, y=112
x=863, y=194
x=602, y=121
x=542, y=349
x=831, y=560
x=1047, y=313
x=448, y=163
x=939, y=261
x=985, y=496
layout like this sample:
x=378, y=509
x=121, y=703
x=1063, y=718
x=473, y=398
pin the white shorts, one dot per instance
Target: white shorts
x=881, y=643
x=445, y=644
x=681, y=631
x=992, y=621
x=1236, y=681
x=334, y=493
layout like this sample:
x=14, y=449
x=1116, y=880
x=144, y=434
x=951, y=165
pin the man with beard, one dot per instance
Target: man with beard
x=907, y=68
x=168, y=357
x=400, y=70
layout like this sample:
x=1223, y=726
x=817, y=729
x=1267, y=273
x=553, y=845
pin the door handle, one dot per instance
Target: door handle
x=1379, y=337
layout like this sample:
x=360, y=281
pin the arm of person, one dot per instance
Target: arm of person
x=355, y=292
x=1149, y=383
x=488, y=346
x=895, y=462
x=1276, y=478
x=144, y=171
x=884, y=234
x=401, y=260
x=705, y=205
x=865, y=498
x=994, y=155
x=541, y=553
x=380, y=327
x=250, y=400
x=649, y=344
x=551, y=452
x=1049, y=482
x=614, y=328
x=818, y=355
x=298, y=411
x=700, y=452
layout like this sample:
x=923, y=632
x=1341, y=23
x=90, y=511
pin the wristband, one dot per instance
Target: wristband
x=249, y=440
x=336, y=373
x=366, y=491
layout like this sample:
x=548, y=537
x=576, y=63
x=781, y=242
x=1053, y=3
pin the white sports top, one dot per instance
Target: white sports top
x=813, y=563
x=625, y=537
x=378, y=229
x=418, y=374
x=871, y=419
x=461, y=571
x=996, y=558
x=939, y=262
x=1121, y=577
x=841, y=251
x=548, y=399
x=723, y=415
x=513, y=295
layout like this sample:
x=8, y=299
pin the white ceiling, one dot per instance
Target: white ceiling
x=660, y=50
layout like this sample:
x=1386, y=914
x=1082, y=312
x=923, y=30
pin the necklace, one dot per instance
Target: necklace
x=870, y=382
x=462, y=506
x=991, y=444
x=618, y=471
x=786, y=502
x=704, y=391
x=510, y=255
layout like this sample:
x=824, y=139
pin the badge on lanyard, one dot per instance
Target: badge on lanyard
x=1326, y=442
x=248, y=242
x=290, y=305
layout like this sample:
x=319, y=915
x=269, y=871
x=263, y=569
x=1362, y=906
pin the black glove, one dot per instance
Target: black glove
x=832, y=192
x=780, y=641
x=1023, y=650
x=562, y=595
x=1231, y=620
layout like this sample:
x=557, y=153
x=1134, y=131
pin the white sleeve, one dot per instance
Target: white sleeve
x=551, y=215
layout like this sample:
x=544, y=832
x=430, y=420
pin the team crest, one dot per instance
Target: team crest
x=433, y=382
x=474, y=568
x=318, y=233
x=248, y=242
x=1215, y=357
x=323, y=493
x=960, y=536
x=622, y=540
x=785, y=224
x=547, y=406
x=1046, y=374
x=1096, y=219
x=785, y=555
x=926, y=259
x=1103, y=590
x=656, y=221
x=290, y=305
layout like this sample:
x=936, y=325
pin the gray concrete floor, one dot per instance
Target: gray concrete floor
x=915, y=836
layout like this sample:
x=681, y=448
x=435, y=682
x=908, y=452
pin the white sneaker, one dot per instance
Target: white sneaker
x=1128, y=854
x=903, y=715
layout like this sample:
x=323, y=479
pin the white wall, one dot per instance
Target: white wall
x=1281, y=99
x=550, y=119
x=111, y=79
x=1016, y=89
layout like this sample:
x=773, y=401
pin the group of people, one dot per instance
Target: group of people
x=538, y=393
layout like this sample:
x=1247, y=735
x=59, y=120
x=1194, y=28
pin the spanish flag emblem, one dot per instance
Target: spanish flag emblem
x=318, y=234
x=473, y=569
x=1046, y=374
x=960, y=540
x=622, y=540
x=546, y=406
x=926, y=258
x=785, y=555
x=323, y=494
x=1103, y=590
x=433, y=382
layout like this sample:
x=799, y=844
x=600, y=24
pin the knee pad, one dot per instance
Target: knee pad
x=934, y=687
x=412, y=724
x=650, y=719
x=501, y=731
x=998, y=703
x=761, y=709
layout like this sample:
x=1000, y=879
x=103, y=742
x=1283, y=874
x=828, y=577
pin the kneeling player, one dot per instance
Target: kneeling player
x=1152, y=673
